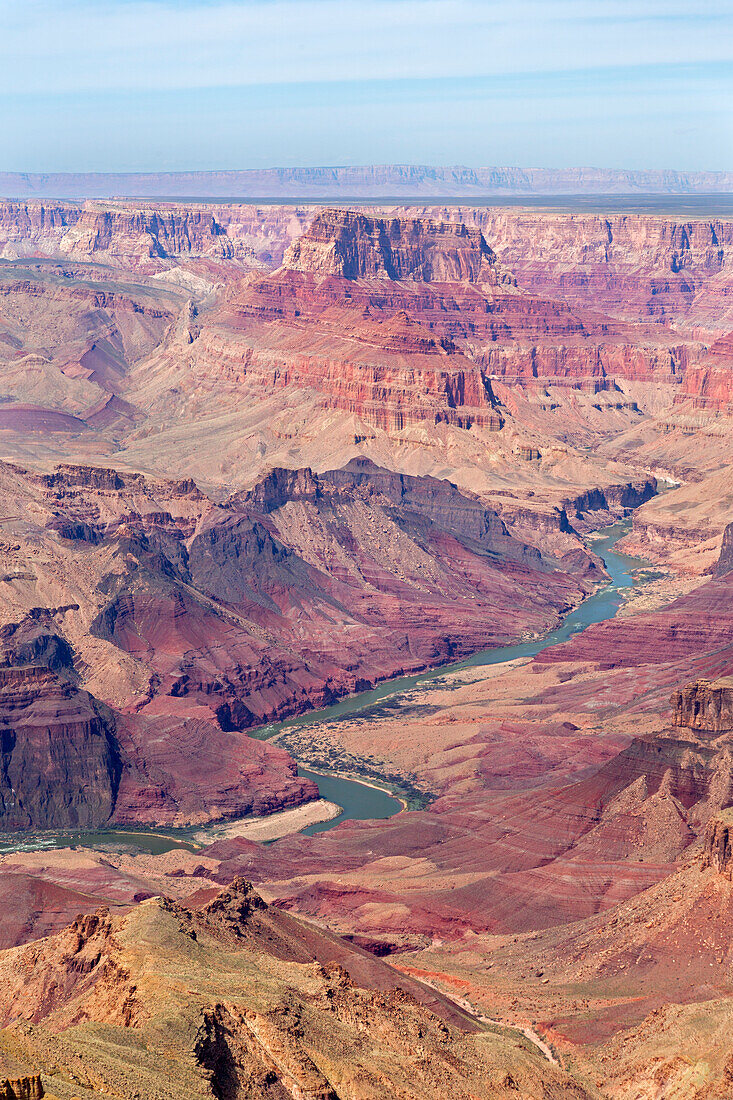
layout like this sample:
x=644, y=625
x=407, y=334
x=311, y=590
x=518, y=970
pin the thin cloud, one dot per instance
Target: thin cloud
x=131, y=45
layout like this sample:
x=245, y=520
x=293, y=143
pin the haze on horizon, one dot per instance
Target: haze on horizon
x=173, y=85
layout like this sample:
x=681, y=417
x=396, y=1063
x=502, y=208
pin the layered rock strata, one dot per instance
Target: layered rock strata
x=706, y=705
x=176, y=623
x=718, y=850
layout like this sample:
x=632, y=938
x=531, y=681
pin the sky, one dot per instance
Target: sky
x=171, y=85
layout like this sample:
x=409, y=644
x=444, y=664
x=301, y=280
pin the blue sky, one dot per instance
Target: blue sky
x=198, y=84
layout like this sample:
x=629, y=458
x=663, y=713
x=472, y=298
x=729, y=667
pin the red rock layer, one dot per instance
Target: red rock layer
x=708, y=385
x=400, y=350
x=718, y=849
x=143, y=235
x=704, y=705
x=59, y=764
x=219, y=618
x=690, y=626
x=630, y=265
x=512, y=860
x=353, y=245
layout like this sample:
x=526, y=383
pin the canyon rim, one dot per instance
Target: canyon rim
x=366, y=551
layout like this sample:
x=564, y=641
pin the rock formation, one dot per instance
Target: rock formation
x=262, y=457
x=123, y=698
x=706, y=705
x=725, y=561
x=718, y=849
x=294, y=1012
x=352, y=245
x=59, y=766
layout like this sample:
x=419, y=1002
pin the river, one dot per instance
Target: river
x=360, y=800
x=625, y=572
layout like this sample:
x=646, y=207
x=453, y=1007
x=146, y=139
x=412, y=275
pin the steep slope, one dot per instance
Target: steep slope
x=143, y=626
x=641, y=997
x=237, y=1000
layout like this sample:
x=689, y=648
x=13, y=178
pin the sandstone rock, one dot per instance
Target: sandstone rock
x=718, y=845
x=356, y=246
x=59, y=764
x=295, y=1011
x=22, y=1088
x=705, y=705
x=725, y=561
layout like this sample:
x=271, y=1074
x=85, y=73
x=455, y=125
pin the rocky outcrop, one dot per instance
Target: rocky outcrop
x=28, y=1087
x=277, y=488
x=725, y=561
x=353, y=245
x=59, y=764
x=128, y=236
x=708, y=385
x=430, y=502
x=176, y=624
x=629, y=265
x=28, y=229
x=295, y=1012
x=612, y=502
x=359, y=545
x=718, y=845
x=399, y=351
x=705, y=705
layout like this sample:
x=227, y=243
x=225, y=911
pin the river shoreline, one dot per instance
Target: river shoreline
x=358, y=797
x=269, y=827
x=362, y=782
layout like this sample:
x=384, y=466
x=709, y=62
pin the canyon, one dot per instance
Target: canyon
x=256, y=459
x=349, y=182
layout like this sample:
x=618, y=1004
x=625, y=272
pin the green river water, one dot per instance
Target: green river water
x=358, y=800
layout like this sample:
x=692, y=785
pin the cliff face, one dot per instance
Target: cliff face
x=28, y=229
x=629, y=265
x=355, y=246
x=705, y=705
x=360, y=312
x=725, y=561
x=28, y=1087
x=708, y=385
x=59, y=764
x=718, y=845
x=123, y=235
x=193, y=621
x=147, y=235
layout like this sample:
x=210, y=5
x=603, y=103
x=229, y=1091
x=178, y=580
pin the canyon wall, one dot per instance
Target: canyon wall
x=645, y=264
x=705, y=705
x=718, y=849
x=354, y=245
x=177, y=623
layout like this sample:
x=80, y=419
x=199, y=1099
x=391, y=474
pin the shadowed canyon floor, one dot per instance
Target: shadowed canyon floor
x=255, y=459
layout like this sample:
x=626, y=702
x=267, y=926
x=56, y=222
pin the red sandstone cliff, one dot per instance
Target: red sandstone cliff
x=395, y=347
x=705, y=705
x=708, y=385
x=356, y=246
